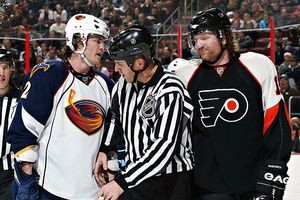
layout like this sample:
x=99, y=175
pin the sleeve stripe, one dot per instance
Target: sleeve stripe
x=270, y=115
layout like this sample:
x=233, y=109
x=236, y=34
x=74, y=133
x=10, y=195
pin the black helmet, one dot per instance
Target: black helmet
x=131, y=42
x=6, y=55
x=210, y=20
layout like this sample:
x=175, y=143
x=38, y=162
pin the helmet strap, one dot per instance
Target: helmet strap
x=219, y=55
x=83, y=57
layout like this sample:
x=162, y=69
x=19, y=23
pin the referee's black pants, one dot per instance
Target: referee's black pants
x=175, y=186
x=202, y=194
x=6, y=178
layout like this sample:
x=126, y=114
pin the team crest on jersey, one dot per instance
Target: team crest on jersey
x=229, y=105
x=86, y=115
x=39, y=66
x=148, y=108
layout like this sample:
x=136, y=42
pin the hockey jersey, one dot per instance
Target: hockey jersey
x=240, y=121
x=63, y=113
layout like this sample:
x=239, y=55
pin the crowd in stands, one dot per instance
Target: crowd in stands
x=47, y=19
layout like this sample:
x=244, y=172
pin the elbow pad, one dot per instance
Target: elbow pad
x=28, y=154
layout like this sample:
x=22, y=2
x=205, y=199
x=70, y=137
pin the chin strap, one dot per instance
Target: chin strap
x=83, y=57
x=219, y=55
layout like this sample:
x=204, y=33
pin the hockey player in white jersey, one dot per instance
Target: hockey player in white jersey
x=57, y=130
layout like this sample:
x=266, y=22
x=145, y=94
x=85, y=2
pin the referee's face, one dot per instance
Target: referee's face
x=124, y=70
x=5, y=73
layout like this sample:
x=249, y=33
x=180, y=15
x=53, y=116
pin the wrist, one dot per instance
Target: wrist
x=26, y=167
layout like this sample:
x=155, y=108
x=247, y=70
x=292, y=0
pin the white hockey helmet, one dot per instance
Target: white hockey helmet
x=83, y=25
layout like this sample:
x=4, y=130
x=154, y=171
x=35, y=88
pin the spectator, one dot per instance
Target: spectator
x=59, y=10
x=76, y=9
x=236, y=22
x=125, y=9
x=41, y=27
x=284, y=18
x=295, y=122
x=265, y=22
x=245, y=41
x=115, y=19
x=186, y=50
x=283, y=67
x=257, y=12
x=58, y=27
x=17, y=16
x=245, y=8
x=136, y=13
x=279, y=58
x=46, y=14
x=294, y=72
x=52, y=56
x=285, y=88
x=143, y=21
x=39, y=59
x=9, y=95
x=146, y=7
x=167, y=56
x=275, y=11
x=94, y=9
x=6, y=44
x=249, y=23
x=105, y=16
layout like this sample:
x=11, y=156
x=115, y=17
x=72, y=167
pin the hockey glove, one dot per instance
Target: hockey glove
x=24, y=186
x=272, y=181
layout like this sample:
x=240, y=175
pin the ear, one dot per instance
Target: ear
x=140, y=63
x=224, y=41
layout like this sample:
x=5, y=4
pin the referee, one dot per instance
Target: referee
x=8, y=99
x=152, y=110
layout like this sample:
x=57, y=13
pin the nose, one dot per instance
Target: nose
x=117, y=67
x=1, y=71
x=102, y=46
x=198, y=44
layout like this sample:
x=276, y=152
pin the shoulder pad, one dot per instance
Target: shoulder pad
x=184, y=68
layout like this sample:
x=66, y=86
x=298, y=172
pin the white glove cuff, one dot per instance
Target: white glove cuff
x=28, y=154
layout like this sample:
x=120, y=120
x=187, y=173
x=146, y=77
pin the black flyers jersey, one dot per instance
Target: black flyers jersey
x=236, y=123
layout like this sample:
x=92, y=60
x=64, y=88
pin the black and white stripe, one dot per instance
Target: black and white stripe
x=7, y=106
x=159, y=143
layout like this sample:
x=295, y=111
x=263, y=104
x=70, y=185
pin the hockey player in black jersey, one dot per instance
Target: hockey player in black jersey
x=152, y=110
x=241, y=130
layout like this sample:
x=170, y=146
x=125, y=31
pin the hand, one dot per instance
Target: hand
x=109, y=191
x=25, y=183
x=100, y=171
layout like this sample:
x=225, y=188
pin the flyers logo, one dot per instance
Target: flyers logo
x=229, y=105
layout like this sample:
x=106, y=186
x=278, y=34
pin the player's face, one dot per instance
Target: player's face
x=124, y=70
x=94, y=48
x=5, y=73
x=208, y=45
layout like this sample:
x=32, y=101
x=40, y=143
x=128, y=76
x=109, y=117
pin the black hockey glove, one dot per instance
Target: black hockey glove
x=272, y=181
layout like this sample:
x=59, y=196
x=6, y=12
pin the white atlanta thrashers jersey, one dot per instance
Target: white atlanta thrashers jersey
x=64, y=114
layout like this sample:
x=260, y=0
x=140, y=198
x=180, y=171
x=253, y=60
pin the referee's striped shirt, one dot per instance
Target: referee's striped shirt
x=7, y=105
x=156, y=121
